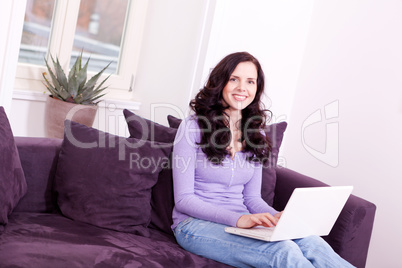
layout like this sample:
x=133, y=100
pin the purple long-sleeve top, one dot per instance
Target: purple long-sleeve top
x=217, y=193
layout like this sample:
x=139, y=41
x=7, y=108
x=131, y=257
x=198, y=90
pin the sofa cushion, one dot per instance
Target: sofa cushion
x=162, y=201
x=106, y=180
x=51, y=240
x=12, y=180
x=146, y=129
x=275, y=133
x=39, y=158
x=174, y=122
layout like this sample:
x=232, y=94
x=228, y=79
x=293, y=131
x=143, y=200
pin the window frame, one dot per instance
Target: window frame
x=29, y=76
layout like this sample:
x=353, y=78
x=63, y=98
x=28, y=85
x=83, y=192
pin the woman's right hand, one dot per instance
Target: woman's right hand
x=264, y=219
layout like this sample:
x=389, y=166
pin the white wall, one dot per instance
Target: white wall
x=275, y=32
x=353, y=65
x=174, y=43
x=11, y=20
x=350, y=72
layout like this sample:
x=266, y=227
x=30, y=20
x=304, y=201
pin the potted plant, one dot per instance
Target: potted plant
x=73, y=97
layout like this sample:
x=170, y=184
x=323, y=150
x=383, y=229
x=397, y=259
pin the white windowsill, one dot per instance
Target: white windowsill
x=110, y=103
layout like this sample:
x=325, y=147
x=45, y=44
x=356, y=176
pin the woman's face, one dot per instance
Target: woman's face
x=241, y=88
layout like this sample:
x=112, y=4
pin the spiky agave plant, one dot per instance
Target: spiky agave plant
x=75, y=88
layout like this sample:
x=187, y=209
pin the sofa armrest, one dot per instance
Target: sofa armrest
x=39, y=161
x=351, y=234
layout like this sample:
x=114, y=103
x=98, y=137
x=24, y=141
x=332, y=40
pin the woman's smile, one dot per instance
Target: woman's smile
x=239, y=97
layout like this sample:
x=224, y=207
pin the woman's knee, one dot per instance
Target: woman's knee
x=313, y=241
x=288, y=254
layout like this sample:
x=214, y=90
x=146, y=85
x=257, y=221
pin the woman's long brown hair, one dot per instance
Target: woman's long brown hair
x=209, y=107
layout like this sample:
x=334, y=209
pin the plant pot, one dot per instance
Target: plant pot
x=57, y=111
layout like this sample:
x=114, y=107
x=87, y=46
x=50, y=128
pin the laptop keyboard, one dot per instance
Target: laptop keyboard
x=265, y=232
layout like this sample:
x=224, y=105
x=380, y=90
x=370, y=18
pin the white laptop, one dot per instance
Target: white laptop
x=309, y=211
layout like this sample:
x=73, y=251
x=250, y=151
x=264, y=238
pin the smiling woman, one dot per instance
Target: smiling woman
x=228, y=127
x=231, y=100
x=238, y=93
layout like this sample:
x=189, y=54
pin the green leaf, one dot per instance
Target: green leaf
x=103, y=82
x=82, y=76
x=64, y=93
x=61, y=76
x=52, y=76
x=52, y=91
x=95, y=78
x=73, y=86
x=49, y=87
x=73, y=70
x=98, y=97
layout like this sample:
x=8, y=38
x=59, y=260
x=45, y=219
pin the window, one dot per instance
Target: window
x=36, y=32
x=99, y=33
x=101, y=30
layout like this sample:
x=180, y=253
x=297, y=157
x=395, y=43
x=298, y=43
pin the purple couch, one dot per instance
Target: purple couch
x=37, y=235
x=67, y=203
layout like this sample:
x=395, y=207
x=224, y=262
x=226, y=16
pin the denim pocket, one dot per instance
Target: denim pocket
x=182, y=224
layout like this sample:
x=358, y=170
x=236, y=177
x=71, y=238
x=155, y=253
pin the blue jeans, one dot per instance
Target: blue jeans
x=209, y=239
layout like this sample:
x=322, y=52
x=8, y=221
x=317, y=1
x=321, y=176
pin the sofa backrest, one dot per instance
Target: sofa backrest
x=39, y=157
x=39, y=160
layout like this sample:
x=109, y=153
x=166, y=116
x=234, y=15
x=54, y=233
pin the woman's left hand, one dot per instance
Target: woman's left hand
x=264, y=219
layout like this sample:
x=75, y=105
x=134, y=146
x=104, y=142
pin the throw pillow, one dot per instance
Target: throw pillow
x=106, y=180
x=174, y=122
x=275, y=133
x=145, y=129
x=162, y=200
x=13, y=185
